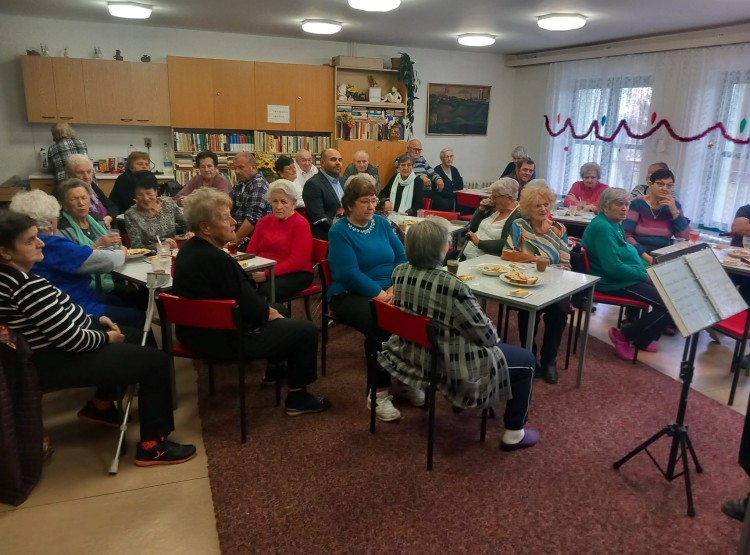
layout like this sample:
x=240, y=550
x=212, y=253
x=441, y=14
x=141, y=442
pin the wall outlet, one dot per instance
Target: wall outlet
x=147, y=142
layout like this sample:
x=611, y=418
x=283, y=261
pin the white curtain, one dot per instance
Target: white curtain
x=693, y=90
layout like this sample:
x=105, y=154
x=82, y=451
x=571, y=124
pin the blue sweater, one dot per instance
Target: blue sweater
x=362, y=263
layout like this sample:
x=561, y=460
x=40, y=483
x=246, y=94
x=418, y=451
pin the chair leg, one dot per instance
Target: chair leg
x=308, y=312
x=211, y=385
x=278, y=391
x=431, y=424
x=506, y=326
x=483, y=431
x=619, y=317
x=739, y=350
x=323, y=341
x=289, y=307
x=571, y=325
x=499, y=326
x=579, y=322
x=373, y=396
x=243, y=423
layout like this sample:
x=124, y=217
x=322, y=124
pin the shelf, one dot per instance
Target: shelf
x=371, y=104
x=367, y=69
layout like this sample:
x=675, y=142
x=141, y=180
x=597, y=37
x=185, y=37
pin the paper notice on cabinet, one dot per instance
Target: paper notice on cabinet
x=277, y=113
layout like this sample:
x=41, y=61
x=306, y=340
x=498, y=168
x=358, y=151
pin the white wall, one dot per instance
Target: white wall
x=529, y=103
x=478, y=158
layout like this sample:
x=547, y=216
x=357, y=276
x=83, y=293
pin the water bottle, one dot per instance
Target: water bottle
x=43, y=158
x=167, y=159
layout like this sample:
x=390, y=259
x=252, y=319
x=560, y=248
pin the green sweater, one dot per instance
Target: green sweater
x=611, y=257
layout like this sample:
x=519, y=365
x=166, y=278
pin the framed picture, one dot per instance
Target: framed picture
x=457, y=109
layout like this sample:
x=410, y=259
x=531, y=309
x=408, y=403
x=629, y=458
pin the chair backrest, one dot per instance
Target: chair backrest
x=426, y=203
x=325, y=273
x=467, y=200
x=319, y=250
x=450, y=216
x=195, y=313
x=586, y=260
x=413, y=328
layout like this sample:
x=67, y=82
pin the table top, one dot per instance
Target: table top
x=731, y=264
x=556, y=283
x=484, y=193
x=398, y=218
x=579, y=219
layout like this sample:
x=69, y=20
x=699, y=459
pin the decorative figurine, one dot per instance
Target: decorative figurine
x=65, y=53
x=43, y=49
x=342, y=92
x=393, y=96
x=97, y=53
x=32, y=53
x=117, y=55
x=146, y=58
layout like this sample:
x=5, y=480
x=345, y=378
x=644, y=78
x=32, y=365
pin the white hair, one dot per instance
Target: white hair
x=282, y=186
x=38, y=205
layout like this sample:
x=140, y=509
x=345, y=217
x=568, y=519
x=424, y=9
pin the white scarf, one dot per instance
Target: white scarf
x=406, y=196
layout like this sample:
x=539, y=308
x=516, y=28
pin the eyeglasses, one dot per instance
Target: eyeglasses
x=663, y=184
x=368, y=201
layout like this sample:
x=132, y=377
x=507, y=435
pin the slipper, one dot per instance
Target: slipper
x=530, y=438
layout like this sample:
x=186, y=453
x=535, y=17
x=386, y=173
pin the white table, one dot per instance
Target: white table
x=579, y=220
x=483, y=193
x=399, y=218
x=557, y=284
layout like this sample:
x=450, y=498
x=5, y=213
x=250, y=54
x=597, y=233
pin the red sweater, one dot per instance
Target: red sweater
x=289, y=242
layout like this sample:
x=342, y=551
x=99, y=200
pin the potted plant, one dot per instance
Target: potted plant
x=408, y=76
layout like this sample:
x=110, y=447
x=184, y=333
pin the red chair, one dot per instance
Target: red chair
x=450, y=216
x=419, y=330
x=209, y=314
x=735, y=327
x=468, y=201
x=427, y=203
x=319, y=252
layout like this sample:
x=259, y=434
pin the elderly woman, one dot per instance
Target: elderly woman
x=623, y=273
x=475, y=369
x=153, y=218
x=123, y=193
x=404, y=193
x=445, y=198
x=519, y=153
x=80, y=167
x=491, y=224
x=586, y=193
x=69, y=266
x=532, y=236
x=284, y=236
x=655, y=218
x=208, y=176
x=362, y=253
x=65, y=144
x=286, y=169
x=204, y=271
x=73, y=350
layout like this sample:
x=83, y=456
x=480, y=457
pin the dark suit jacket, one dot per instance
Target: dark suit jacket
x=321, y=204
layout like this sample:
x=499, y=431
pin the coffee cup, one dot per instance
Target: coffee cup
x=541, y=263
x=452, y=266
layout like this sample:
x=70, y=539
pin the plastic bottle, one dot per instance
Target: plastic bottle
x=167, y=159
x=43, y=158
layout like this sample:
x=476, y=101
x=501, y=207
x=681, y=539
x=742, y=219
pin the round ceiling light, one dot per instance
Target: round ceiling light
x=129, y=10
x=375, y=5
x=476, y=39
x=561, y=21
x=321, y=26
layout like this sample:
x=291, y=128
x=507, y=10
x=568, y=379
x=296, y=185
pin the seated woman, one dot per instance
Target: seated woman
x=152, y=216
x=491, y=224
x=203, y=270
x=71, y=350
x=476, y=370
x=656, y=217
x=209, y=176
x=123, y=193
x=283, y=236
x=533, y=235
x=585, y=193
x=80, y=167
x=69, y=266
x=445, y=198
x=404, y=194
x=623, y=273
x=362, y=253
x=285, y=169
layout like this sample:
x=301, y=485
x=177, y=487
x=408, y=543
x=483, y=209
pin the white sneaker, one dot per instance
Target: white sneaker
x=414, y=395
x=384, y=408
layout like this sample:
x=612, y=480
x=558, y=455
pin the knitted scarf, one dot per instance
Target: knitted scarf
x=99, y=231
x=406, y=196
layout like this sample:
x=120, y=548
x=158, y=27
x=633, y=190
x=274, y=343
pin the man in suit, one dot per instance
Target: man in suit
x=322, y=194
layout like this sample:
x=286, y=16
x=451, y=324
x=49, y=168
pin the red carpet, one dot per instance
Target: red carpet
x=323, y=484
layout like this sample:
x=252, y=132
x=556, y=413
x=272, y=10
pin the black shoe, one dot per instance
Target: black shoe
x=745, y=364
x=735, y=508
x=163, y=452
x=274, y=373
x=110, y=417
x=550, y=373
x=538, y=372
x=305, y=403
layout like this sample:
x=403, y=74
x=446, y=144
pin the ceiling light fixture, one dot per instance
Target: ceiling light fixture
x=476, y=39
x=375, y=5
x=561, y=21
x=321, y=26
x=129, y=10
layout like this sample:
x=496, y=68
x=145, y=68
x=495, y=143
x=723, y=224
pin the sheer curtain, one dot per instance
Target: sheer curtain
x=692, y=89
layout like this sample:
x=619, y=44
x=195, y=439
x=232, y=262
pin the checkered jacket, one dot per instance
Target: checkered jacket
x=59, y=153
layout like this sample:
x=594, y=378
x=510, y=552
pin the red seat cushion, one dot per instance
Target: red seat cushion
x=734, y=325
x=465, y=217
x=307, y=291
x=180, y=351
x=606, y=298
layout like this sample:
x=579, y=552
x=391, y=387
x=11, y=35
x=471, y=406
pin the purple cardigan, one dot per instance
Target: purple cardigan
x=220, y=182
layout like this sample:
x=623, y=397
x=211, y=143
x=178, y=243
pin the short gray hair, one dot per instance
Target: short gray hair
x=506, y=186
x=62, y=189
x=591, y=167
x=425, y=242
x=282, y=186
x=367, y=176
x=405, y=157
x=520, y=152
x=249, y=156
x=73, y=161
x=612, y=195
x=202, y=205
x=38, y=205
x=447, y=149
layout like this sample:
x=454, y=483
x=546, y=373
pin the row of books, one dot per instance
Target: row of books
x=257, y=141
x=366, y=130
x=276, y=143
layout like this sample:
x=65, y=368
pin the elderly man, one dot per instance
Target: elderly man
x=305, y=167
x=523, y=172
x=361, y=164
x=80, y=167
x=249, y=202
x=422, y=169
x=322, y=194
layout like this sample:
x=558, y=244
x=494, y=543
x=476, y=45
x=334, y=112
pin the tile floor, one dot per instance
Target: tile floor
x=77, y=508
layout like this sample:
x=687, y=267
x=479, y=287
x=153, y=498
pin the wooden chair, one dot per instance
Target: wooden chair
x=208, y=314
x=418, y=330
x=469, y=202
x=319, y=252
x=735, y=327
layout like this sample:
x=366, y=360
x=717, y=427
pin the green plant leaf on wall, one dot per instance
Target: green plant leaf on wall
x=408, y=76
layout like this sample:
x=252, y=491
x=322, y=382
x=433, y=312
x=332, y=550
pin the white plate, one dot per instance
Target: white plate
x=486, y=272
x=537, y=284
x=738, y=253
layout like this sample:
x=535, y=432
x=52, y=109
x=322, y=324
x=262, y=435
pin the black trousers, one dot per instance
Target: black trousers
x=286, y=285
x=651, y=325
x=555, y=320
x=355, y=311
x=521, y=372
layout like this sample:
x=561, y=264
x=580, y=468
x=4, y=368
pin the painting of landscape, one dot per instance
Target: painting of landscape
x=457, y=109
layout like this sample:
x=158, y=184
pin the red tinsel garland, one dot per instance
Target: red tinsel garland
x=624, y=125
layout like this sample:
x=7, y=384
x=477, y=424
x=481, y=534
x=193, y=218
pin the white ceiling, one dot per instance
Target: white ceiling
x=419, y=23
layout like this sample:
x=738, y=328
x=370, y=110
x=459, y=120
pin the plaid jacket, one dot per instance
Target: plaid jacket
x=59, y=153
x=249, y=200
x=472, y=370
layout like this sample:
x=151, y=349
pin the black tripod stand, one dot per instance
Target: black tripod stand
x=677, y=431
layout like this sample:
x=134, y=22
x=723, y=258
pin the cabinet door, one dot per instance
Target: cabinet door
x=69, y=91
x=108, y=98
x=315, y=99
x=385, y=154
x=39, y=86
x=274, y=85
x=149, y=84
x=234, y=96
x=191, y=94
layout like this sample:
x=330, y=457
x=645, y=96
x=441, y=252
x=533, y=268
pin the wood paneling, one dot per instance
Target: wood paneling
x=382, y=154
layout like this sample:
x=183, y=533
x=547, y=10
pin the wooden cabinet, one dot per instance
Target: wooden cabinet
x=382, y=154
x=149, y=88
x=108, y=99
x=54, y=89
x=314, y=102
x=234, y=94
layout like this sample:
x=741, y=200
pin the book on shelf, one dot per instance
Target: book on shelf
x=257, y=141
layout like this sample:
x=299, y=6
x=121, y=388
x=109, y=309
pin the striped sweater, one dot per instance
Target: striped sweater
x=45, y=315
x=649, y=229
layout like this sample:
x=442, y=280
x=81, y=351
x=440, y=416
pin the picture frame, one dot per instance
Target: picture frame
x=457, y=109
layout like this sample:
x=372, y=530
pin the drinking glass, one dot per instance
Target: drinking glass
x=746, y=241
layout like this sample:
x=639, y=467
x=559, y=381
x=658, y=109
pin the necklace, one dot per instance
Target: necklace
x=363, y=230
x=654, y=213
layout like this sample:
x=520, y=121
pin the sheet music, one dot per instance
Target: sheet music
x=725, y=298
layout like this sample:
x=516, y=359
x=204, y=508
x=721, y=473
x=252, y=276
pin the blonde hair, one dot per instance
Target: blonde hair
x=535, y=191
x=62, y=131
x=201, y=206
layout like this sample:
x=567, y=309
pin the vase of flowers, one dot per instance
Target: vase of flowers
x=347, y=122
